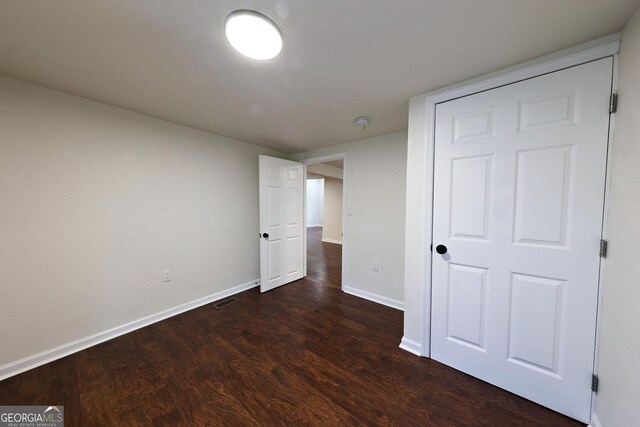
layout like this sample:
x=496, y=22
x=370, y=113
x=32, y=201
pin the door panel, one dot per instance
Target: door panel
x=281, y=218
x=535, y=301
x=543, y=182
x=470, y=195
x=518, y=201
x=467, y=305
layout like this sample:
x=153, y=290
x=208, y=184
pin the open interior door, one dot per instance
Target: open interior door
x=281, y=222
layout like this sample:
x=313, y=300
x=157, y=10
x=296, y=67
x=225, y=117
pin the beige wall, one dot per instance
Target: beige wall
x=97, y=201
x=332, y=216
x=618, y=400
x=375, y=182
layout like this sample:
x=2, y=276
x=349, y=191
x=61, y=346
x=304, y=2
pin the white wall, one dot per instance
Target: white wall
x=333, y=215
x=315, y=202
x=618, y=398
x=97, y=201
x=375, y=179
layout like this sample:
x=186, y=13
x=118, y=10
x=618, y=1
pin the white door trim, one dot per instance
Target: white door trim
x=322, y=159
x=420, y=154
x=605, y=236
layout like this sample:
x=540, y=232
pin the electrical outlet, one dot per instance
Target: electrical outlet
x=375, y=266
x=166, y=275
x=349, y=212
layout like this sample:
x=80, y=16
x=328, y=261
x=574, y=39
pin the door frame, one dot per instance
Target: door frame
x=322, y=159
x=420, y=169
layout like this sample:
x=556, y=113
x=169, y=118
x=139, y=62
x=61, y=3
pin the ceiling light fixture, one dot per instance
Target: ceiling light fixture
x=253, y=34
x=362, y=121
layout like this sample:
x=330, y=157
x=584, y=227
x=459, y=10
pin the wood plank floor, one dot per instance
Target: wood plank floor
x=302, y=354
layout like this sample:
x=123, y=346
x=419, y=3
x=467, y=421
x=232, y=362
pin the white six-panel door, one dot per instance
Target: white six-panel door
x=518, y=203
x=281, y=185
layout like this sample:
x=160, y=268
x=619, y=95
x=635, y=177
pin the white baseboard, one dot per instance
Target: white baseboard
x=337, y=242
x=595, y=422
x=411, y=346
x=398, y=305
x=314, y=225
x=30, y=362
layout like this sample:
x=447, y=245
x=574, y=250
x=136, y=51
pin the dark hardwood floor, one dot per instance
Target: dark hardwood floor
x=324, y=261
x=302, y=354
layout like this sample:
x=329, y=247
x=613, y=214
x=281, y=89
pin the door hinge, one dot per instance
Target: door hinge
x=613, y=103
x=603, y=248
x=594, y=383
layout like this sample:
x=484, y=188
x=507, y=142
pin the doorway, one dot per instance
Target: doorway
x=325, y=220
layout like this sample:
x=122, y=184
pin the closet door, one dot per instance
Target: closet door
x=518, y=206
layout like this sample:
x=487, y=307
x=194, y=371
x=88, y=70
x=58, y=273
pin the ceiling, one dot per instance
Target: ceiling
x=335, y=163
x=325, y=169
x=341, y=59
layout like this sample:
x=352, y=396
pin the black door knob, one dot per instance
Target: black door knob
x=265, y=235
x=441, y=249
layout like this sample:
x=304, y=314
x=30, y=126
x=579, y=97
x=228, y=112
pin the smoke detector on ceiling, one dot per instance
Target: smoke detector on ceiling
x=362, y=121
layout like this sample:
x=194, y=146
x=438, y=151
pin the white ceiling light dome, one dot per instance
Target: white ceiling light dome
x=253, y=34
